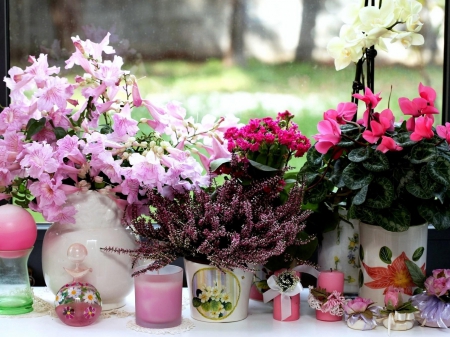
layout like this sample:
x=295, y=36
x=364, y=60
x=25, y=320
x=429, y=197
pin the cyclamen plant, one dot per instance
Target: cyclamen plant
x=58, y=137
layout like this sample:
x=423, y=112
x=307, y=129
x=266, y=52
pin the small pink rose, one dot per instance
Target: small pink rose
x=392, y=297
x=357, y=305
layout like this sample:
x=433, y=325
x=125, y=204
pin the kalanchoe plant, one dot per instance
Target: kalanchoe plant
x=230, y=226
x=394, y=175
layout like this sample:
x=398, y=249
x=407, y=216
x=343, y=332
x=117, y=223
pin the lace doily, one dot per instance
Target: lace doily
x=186, y=325
x=314, y=303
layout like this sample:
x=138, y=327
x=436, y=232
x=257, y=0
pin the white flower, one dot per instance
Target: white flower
x=409, y=38
x=344, y=53
x=406, y=8
x=373, y=17
x=89, y=297
x=214, y=313
x=73, y=292
x=204, y=297
x=225, y=297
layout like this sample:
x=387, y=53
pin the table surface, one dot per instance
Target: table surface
x=259, y=322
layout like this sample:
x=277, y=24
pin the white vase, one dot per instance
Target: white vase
x=383, y=255
x=340, y=250
x=217, y=296
x=98, y=225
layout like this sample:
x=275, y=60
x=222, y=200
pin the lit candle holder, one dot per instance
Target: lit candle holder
x=330, y=280
x=158, y=297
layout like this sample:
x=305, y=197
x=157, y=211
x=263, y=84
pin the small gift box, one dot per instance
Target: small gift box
x=284, y=289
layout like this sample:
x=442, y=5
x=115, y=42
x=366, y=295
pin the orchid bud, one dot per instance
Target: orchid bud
x=143, y=120
x=152, y=144
x=144, y=144
x=127, y=144
x=165, y=145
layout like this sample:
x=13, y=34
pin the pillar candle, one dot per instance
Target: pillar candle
x=158, y=297
x=330, y=280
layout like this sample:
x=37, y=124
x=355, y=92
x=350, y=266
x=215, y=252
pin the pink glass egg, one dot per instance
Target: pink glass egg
x=78, y=304
x=18, y=229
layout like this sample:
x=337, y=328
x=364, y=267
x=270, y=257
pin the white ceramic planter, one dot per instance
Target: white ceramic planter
x=383, y=256
x=217, y=296
x=98, y=224
x=340, y=250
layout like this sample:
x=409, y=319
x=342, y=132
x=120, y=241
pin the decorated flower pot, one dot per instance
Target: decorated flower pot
x=383, y=255
x=399, y=322
x=215, y=295
x=98, y=224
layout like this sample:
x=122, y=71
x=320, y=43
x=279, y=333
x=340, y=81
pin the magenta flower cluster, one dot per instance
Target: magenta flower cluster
x=262, y=139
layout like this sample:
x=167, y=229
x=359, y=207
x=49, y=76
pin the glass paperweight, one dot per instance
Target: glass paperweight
x=78, y=303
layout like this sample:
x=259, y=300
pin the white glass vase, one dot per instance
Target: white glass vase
x=98, y=225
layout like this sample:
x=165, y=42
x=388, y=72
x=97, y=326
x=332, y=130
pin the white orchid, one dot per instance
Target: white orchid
x=367, y=26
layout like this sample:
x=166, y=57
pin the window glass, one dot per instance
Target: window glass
x=251, y=58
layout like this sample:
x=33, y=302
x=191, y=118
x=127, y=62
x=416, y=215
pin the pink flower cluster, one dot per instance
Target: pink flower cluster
x=58, y=137
x=438, y=283
x=377, y=126
x=267, y=135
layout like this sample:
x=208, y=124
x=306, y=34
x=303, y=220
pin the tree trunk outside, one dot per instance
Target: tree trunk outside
x=306, y=42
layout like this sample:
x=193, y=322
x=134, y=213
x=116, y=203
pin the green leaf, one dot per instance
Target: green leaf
x=206, y=306
x=34, y=126
x=403, y=139
x=435, y=213
x=59, y=132
x=262, y=167
x=316, y=194
x=355, y=177
x=378, y=162
x=228, y=306
x=385, y=255
x=360, y=197
x=361, y=253
x=416, y=274
x=422, y=152
x=395, y=219
x=360, y=278
x=418, y=254
x=215, y=164
x=359, y=154
x=439, y=170
x=196, y=302
x=381, y=193
x=417, y=190
x=215, y=305
x=314, y=157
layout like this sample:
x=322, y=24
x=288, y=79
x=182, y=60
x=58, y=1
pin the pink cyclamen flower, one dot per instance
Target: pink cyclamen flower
x=369, y=98
x=429, y=95
x=444, y=132
x=379, y=125
x=357, y=305
x=388, y=144
x=330, y=135
x=344, y=112
x=423, y=129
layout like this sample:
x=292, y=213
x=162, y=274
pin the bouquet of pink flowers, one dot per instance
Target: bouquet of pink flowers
x=59, y=137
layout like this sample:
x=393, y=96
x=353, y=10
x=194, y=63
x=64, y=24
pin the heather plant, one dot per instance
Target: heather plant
x=229, y=226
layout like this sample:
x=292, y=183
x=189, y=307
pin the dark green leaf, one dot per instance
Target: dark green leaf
x=395, y=219
x=360, y=278
x=59, y=132
x=361, y=253
x=35, y=126
x=416, y=190
x=378, y=162
x=196, y=302
x=262, y=167
x=106, y=129
x=416, y=274
x=358, y=155
x=385, y=255
x=422, y=152
x=403, y=139
x=381, y=193
x=360, y=197
x=228, y=306
x=435, y=213
x=439, y=170
x=355, y=177
x=215, y=164
x=418, y=254
x=314, y=157
x=316, y=194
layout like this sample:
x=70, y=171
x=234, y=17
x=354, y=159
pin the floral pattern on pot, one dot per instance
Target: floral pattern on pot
x=396, y=273
x=215, y=293
x=77, y=292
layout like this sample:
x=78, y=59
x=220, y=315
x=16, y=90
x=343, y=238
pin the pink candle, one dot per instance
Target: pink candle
x=158, y=297
x=330, y=280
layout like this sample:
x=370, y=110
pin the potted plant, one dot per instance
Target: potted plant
x=72, y=151
x=238, y=222
x=392, y=176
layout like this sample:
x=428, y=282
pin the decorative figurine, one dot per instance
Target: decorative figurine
x=78, y=303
